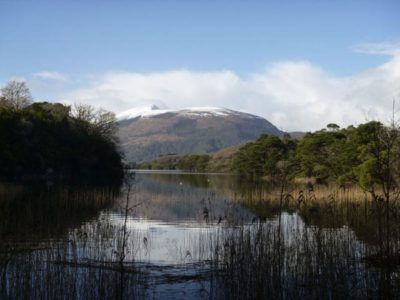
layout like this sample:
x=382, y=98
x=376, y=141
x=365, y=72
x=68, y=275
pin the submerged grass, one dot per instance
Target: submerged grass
x=303, y=263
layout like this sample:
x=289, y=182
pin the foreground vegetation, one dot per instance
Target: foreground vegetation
x=52, y=141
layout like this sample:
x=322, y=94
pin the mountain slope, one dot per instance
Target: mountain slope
x=148, y=132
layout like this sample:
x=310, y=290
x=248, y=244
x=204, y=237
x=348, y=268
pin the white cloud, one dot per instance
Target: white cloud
x=47, y=75
x=379, y=48
x=294, y=95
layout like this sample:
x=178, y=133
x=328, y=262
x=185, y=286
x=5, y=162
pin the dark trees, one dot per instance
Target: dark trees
x=267, y=156
x=44, y=141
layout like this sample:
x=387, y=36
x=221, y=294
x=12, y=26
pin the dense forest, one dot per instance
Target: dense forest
x=55, y=142
x=367, y=156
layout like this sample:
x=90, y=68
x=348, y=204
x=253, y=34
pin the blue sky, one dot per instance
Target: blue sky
x=82, y=42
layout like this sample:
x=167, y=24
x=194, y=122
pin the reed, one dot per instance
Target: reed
x=315, y=242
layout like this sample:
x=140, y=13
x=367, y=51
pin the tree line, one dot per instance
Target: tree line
x=367, y=155
x=53, y=141
x=191, y=163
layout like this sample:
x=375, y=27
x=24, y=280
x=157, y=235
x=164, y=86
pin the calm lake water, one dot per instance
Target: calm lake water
x=186, y=236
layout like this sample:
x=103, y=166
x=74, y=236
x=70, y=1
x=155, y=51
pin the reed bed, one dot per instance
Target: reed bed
x=295, y=262
x=309, y=242
x=312, y=242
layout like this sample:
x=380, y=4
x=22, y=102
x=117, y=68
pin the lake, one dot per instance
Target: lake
x=171, y=235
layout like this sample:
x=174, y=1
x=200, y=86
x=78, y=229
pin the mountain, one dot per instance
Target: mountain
x=149, y=132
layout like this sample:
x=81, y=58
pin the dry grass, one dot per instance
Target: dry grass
x=304, y=180
x=10, y=190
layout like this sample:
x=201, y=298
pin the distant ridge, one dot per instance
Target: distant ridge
x=148, y=132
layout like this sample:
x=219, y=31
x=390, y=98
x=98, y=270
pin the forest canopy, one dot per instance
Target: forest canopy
x=367, y=156
x=52, y=141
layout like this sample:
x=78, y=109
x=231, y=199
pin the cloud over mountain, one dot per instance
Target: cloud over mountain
x=294, y=95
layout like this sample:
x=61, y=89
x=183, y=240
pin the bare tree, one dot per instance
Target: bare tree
x=102, y=122
x=15, y=94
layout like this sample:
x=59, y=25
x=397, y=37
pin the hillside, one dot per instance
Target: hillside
x=149, y=132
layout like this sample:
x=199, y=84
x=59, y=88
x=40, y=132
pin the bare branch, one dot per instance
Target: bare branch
x=15, y=94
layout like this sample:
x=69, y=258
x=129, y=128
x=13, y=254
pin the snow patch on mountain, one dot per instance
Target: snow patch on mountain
x=153, y=110
x=143, y=111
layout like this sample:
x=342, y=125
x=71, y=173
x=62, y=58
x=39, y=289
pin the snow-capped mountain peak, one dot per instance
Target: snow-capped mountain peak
x=141, y=111
x=153, y=110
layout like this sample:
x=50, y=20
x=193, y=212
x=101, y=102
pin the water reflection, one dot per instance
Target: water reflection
x=184, y=236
